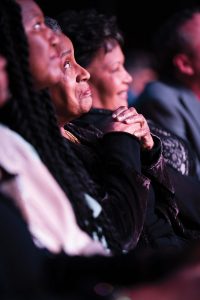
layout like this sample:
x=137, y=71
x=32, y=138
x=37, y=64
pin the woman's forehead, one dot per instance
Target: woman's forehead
x=29, y=9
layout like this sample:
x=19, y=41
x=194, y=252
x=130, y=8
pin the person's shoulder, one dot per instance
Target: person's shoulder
x=160, y=87
x=157, y=91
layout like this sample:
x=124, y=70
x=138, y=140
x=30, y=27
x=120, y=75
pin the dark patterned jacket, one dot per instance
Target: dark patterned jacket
x=145, y=212
x=170, y=188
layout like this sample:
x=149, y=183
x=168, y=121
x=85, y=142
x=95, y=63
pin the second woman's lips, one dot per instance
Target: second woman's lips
x=123, y=94
x=86, y=93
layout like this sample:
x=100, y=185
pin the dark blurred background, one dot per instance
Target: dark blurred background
x=138, y=20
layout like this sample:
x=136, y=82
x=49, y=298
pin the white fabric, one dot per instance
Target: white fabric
x=93, y=205
x=44, y=205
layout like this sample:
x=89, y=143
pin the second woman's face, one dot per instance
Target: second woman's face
x=72, y=95
x=44, y=61
x=3, y=82
x=109, y=80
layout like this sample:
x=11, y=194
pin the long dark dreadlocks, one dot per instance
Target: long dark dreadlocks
x=32, y=115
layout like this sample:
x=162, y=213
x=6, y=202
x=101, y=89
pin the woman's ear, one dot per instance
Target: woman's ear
x=183, y=64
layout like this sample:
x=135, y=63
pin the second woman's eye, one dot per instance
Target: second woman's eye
x=116, y=69
x=67, y=64
x=37, y=26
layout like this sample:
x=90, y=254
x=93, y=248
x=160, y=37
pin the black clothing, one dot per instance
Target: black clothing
x=124, y=206
x=121, y=188
x=187, y=191
x=162, y=209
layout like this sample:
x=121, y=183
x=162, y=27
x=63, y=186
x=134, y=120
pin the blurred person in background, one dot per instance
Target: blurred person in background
x=141, y=65
x=173, y=101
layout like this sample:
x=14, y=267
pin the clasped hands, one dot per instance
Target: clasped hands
x=128, y=120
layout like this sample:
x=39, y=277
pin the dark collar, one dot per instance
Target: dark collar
x=101, y=111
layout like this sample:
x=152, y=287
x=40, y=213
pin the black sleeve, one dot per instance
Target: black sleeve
x=127, y=189
x=187, y=191
x=155, y=168
x=150, y=158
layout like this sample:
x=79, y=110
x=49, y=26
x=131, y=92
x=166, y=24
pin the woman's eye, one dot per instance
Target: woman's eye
x=67, y=64
x=115, y=69
x=37, y=26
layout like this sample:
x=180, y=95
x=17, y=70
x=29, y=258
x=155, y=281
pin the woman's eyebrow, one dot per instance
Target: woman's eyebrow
x=65, y=53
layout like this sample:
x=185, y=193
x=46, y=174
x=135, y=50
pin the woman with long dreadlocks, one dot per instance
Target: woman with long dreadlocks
x=44, y=205
x=32, y=116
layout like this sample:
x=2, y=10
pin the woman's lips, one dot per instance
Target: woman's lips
x=123, y=94
x=86, y=93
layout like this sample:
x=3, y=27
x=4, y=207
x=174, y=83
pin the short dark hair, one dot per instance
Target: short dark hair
x=53, y=24
x=89, y=31
x=170, y=40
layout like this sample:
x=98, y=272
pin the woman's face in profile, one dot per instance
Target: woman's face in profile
x=43, y=59
x=3, y=82
x=72, y=95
